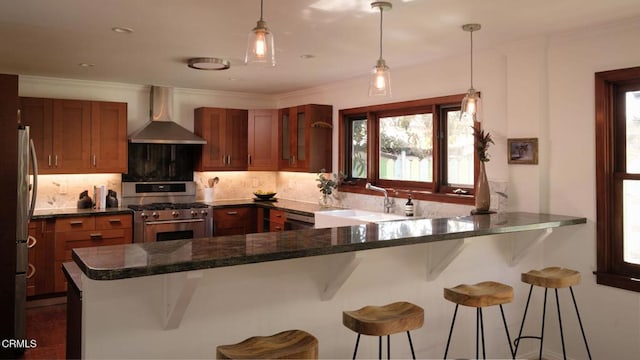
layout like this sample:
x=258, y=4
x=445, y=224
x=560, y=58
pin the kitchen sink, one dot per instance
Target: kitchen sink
x=348, y=217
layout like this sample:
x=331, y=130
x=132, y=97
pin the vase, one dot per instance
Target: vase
x=483, y=195
x=325, y=200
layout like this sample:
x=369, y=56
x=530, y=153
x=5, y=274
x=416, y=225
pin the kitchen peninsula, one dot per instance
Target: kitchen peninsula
x=182, y=298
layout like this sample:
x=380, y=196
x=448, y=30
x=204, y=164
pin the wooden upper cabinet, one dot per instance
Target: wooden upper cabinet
x=71, y=135
x=226, y=133
x=37, y=113
x=305, y=138
x=263, y=140
x=77, y=136
x=109, y=136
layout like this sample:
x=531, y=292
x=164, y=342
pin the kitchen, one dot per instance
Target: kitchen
x=549, y=76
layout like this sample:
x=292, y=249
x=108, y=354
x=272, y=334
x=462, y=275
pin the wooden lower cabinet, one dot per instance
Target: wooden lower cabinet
x=277, y=219
x=87, y=231
x=234, y=221
x=40, y=277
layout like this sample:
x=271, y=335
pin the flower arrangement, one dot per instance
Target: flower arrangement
x=327, y=184
x=482, y=143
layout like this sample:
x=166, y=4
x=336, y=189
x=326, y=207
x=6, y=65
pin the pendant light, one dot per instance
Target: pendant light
x=471, y=101
x=380, y=83
x=260, y=48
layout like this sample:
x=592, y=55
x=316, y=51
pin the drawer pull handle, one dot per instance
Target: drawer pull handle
x=278, y=228
x=31, y=241
x=32, y=271
x=232, y=213
x=279, y=215
x=115, y=221
x=75, y=222
x=95, y=235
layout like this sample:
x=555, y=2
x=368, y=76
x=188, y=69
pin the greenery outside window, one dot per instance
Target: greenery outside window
x=421, y=147
x=618, y=177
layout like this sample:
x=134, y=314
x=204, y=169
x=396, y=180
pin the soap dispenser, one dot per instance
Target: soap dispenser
x=408, y=207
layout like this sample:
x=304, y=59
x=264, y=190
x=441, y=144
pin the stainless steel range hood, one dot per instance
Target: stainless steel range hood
x=161, y=129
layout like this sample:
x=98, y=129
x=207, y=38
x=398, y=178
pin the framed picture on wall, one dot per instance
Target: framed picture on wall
x=523, y=151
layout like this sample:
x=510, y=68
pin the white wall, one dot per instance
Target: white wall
x=540, y=87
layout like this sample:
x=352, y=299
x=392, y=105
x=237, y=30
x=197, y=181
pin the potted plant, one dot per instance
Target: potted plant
x=482, y=193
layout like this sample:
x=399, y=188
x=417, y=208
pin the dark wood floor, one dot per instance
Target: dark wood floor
x=47, y=325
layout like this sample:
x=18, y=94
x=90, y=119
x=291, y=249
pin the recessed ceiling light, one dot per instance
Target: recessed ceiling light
x=86, y=65
x=208, y=63
x=122, y=30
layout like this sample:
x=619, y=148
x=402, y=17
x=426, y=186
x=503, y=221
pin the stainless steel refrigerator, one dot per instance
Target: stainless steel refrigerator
x=27, y=191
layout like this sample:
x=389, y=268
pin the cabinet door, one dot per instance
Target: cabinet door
x=71, y=135
x=236, y=139
x=263, y=140
x=208, y=124
x=37, y=113
x=108, y=137
x=40, y=278
x=300, y=145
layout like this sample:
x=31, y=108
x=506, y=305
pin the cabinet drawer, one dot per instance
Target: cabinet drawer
x=231, y=213
x=75, y=223
x=120, y=221
x=65, y=242
x=276, y=220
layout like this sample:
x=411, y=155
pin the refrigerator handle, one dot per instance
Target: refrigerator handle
x=34, y=193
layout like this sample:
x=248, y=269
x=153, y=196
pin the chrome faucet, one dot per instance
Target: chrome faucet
x=388, y=203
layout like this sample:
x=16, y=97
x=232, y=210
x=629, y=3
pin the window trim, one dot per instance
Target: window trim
x=417, y=192
x=611, y=269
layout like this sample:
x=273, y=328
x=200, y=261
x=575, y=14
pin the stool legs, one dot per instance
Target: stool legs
x=584, y=337
x=479, y=332
x=413, y=354
x=544, y=311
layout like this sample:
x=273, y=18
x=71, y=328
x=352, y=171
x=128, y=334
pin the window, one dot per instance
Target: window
x=618, y=177
x=421, y=146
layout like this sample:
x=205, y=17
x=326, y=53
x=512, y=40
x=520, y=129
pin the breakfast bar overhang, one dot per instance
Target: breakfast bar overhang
x=182, y=298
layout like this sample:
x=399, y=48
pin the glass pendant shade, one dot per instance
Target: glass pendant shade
x=260, y=46
x=471, y=105
x=380, y=83
x=260, y=49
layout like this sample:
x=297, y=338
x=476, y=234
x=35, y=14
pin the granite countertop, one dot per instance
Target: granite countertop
x=302, y=208
x=70, y=212
x=144, y=259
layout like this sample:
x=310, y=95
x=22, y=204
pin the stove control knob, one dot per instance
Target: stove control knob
x=204, y=213
x=194, y=213
x=144, y=215
x=155, y=215
x=175, y=214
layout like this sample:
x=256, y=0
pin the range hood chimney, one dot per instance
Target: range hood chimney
x=161, y=129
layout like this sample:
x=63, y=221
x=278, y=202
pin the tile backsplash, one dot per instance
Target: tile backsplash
x=62, y=191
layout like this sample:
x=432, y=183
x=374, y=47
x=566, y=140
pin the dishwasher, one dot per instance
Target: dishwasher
x=297, y=221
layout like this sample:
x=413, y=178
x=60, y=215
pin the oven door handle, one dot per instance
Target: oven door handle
x=173, y=221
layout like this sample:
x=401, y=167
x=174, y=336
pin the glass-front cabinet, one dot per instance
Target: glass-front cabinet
x=305, y=138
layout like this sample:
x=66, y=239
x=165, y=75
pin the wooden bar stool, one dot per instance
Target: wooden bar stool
x=551, y=278
x=488, y=293
x=290, y=344
x=384, y=320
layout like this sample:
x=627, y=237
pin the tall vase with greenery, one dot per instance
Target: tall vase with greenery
x=327, y=185
x=482, y=193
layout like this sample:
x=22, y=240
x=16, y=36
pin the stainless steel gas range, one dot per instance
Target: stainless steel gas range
x=166, y=211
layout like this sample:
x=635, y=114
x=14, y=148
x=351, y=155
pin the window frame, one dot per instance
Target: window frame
x=612, y=270
x=434, y=191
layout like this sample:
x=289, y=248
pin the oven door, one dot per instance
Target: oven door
x=174, y=230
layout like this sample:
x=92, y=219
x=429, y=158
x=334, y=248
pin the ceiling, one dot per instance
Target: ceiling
x=51, y=38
